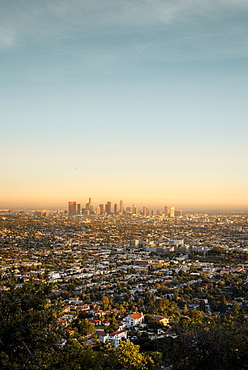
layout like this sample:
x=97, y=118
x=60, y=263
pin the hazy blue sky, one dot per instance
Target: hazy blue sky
x=144, y=101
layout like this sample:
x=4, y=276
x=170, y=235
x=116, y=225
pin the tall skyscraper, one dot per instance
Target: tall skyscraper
x=121, y=206
x=166, y=211
x=172, y=212
x=115, y=209
x=89, y=205
x=72, y=208
x=145, y=211
x=108, y=208
x=135, y=210
x=78, y=209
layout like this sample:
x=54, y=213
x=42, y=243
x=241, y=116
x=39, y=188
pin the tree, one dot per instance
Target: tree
x=223, y=304
x=85, y=327
x=235, y=308
x=220, y=347
x=125, y=356
x=78, y=357
x=105, y=302
x=29, y=335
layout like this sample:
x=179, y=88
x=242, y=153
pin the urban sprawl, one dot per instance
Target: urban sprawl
x=124, y=273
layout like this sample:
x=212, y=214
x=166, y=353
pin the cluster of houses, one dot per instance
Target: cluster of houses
x=117, y=255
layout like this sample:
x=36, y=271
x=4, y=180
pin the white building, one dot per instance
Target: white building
x=114, y=337
x=134, y=319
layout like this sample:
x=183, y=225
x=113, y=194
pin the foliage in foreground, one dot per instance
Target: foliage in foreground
x=31, y=339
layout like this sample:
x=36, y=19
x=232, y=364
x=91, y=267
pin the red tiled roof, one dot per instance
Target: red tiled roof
x=136, y=315
x=117, y=332
x=102, y=334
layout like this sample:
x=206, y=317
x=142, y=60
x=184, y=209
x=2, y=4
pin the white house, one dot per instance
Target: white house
x=114, y=337
x=134, y=319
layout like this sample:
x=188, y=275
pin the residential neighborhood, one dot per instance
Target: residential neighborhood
x=187, y=271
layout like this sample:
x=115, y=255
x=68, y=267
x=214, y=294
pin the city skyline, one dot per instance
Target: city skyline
x=100, y=207
x=142, y=101
x=110, y=208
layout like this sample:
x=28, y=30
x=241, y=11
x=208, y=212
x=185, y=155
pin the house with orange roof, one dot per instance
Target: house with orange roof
x=134, y=319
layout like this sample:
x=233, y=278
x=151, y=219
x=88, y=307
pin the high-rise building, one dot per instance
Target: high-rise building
x=135, y=210
x=115, y=209
x=78, y=209
x=89, y=205
x=166, y=211
x=121, y=206
x=108, y=208
x=145, y=211
x=72, y=208
x=172, y=212
x=101, y=206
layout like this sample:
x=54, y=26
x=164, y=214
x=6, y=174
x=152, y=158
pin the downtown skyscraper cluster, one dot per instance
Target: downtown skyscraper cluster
x=75, y=208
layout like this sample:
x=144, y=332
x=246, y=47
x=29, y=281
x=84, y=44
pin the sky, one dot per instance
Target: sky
x=142, y=100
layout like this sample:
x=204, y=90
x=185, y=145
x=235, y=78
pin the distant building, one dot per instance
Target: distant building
x=72, y=208
x=172, y=212
x=145, y=211
x=108, y=208
x=166, y=211
x=134, y=243
x=178, y=213
x=121, y=206
x=116, y=209
x=142, y=262
x=128, y=210
x=78, y=209
x=135, y=210
x=89, y=206
x=164, y=320
x=101, y=206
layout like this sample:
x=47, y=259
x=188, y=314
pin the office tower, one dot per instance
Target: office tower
x=134, y=209
x=166, y=211
x=78, y=209
x=101, y=206
x=115, y=209
x=145, y=211
x=172, y=212
x=108, y=208
x=72, y=208
x=128, y=210
x=121, y=206
x=89, y=205
x=98, y=210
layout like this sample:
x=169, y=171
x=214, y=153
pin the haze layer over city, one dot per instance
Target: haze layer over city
x=141, y=101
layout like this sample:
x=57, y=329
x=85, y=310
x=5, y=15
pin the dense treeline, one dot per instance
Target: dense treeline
x=30, y=338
